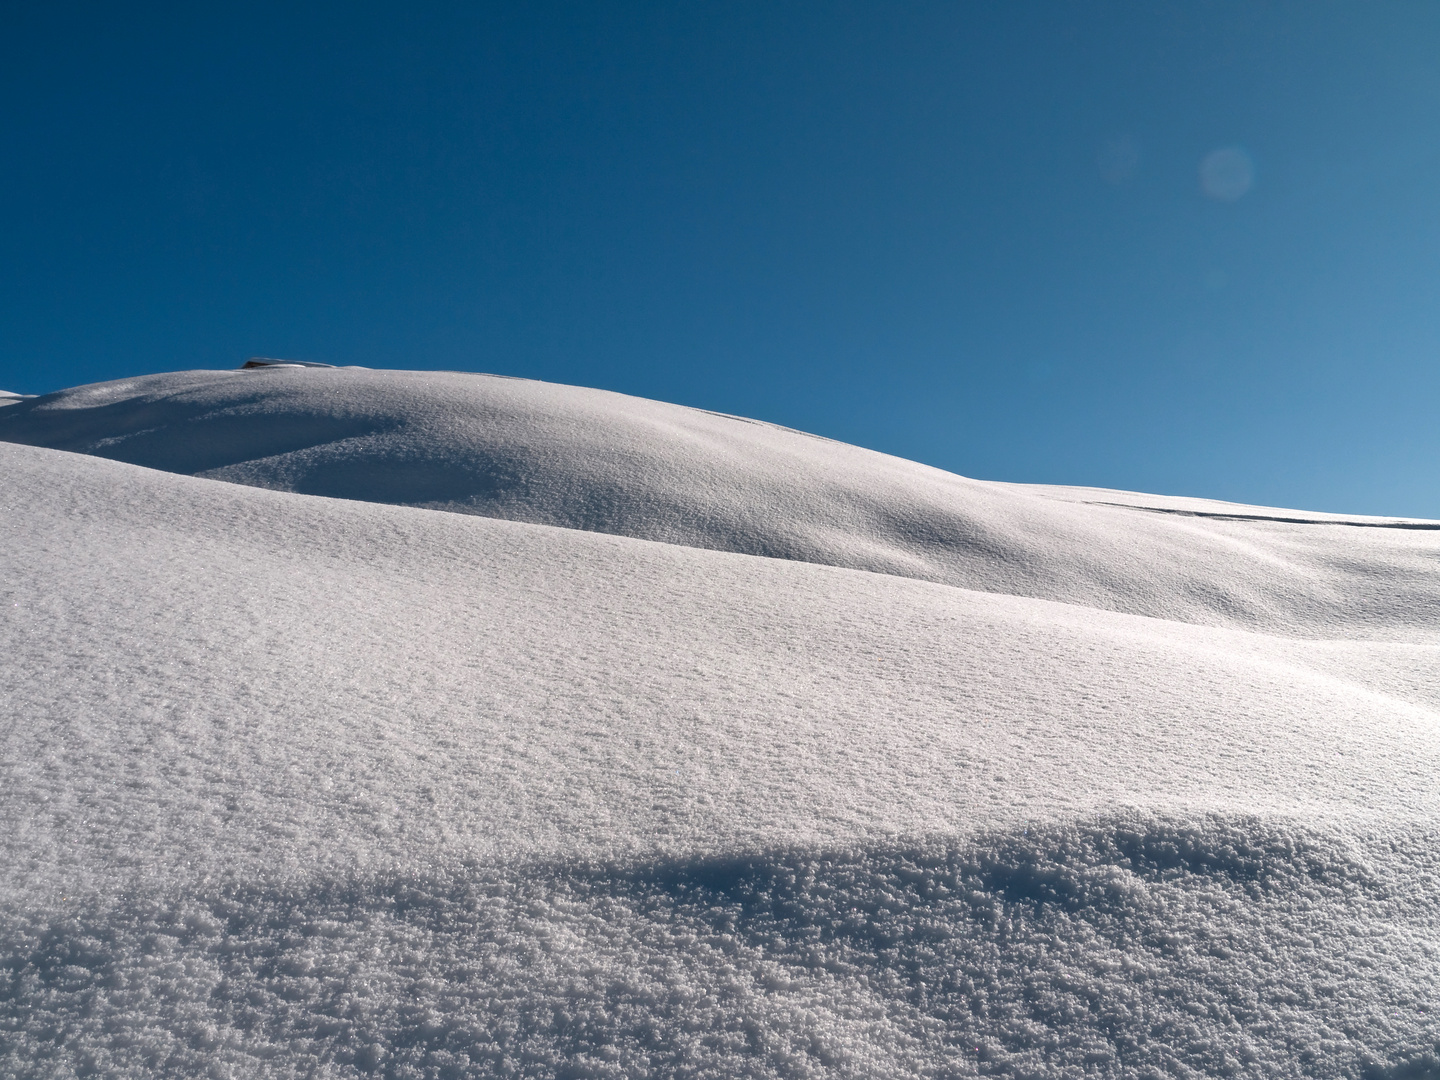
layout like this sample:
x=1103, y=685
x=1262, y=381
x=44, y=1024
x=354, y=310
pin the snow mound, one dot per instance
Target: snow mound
x=604, y=462
x=205, y=678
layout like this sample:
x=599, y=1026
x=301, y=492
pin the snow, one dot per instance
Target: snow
x=604, y=462
x=691, y=746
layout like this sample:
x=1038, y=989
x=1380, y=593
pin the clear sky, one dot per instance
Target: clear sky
x=1191, y=248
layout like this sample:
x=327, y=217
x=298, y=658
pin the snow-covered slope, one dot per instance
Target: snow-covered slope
x=296, y=785
x=604, y=462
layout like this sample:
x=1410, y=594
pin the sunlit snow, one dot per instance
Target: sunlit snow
x=688, y=746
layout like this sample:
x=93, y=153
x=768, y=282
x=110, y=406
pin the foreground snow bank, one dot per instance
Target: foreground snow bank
x=1138, y=947
x=587, y=459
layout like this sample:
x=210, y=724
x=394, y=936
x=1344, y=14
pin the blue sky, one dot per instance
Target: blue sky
x=1181, y=247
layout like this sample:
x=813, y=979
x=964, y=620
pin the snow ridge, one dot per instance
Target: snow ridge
x=604, y=462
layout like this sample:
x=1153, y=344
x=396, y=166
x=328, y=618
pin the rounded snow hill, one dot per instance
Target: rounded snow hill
x=299, y=785
x=606, y=462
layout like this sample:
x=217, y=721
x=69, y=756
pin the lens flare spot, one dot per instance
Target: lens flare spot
x=1227, y=174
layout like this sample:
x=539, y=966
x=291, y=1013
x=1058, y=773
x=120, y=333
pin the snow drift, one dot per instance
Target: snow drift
x=308, y=785
x=604, y=462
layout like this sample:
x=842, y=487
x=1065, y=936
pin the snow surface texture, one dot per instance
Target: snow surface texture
x=295, y=785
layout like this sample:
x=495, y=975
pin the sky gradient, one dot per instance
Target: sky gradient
x=1186, y=248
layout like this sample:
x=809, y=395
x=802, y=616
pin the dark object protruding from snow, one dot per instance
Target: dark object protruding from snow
x=267, y=361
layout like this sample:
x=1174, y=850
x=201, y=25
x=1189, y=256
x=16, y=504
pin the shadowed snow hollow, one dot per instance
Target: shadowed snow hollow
x=605, y=462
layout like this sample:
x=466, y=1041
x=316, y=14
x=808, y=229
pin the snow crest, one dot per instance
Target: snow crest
x=605, y=462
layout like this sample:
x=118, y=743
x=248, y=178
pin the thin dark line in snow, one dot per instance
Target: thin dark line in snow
x=1427, y=525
